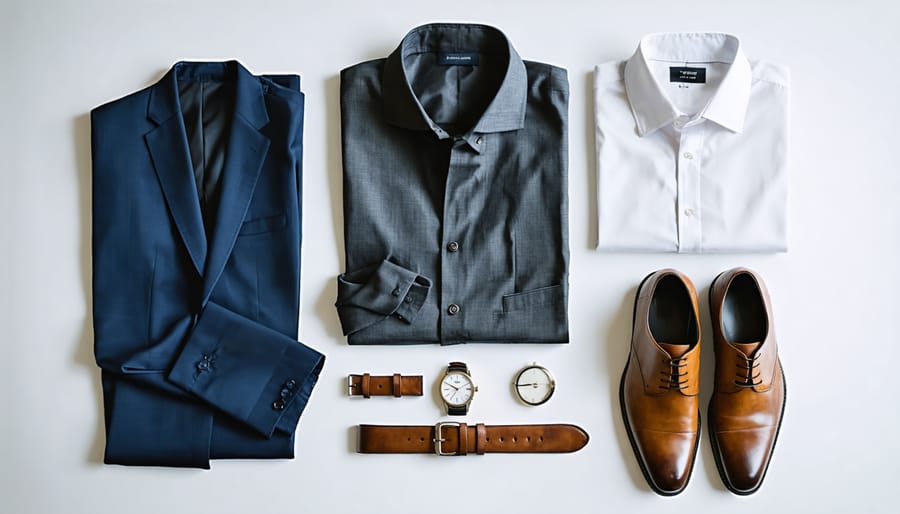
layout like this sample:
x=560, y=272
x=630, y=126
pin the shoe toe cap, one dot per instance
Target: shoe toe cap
x=744, y=457
x=668, y=459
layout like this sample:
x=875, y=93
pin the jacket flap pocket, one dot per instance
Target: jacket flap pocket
x=533, y=298
x=263, y=225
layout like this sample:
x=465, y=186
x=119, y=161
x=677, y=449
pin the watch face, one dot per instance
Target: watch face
x=535, y=385
x=457, y=388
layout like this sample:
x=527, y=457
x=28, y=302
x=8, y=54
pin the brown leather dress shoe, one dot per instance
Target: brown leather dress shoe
x=748, y=401
x=659, y=387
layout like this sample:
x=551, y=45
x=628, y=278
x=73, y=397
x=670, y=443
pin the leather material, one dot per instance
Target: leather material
x=744, y=419
x=478, y=439
x=395, y=385
x=453, y=410
x=659, y=387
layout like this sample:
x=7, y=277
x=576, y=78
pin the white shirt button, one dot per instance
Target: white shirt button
x=688, y=155
x=689, y=212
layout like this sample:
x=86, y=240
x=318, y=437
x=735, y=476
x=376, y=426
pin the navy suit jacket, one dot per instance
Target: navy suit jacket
x=196, y=254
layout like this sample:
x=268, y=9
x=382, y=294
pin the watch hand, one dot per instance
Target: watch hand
x=535, y=384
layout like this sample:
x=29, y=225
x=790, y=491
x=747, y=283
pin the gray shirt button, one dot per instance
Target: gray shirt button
x=453, y=309
x=453, y=246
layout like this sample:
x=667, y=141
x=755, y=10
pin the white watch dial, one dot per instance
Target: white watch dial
x=456, y=388
x=534, y=385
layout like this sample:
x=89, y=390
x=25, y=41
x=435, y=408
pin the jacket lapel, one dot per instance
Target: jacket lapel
x=246, y=153
x=171, y=159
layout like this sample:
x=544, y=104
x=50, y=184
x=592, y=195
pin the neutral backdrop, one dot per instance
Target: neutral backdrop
x=835, y=293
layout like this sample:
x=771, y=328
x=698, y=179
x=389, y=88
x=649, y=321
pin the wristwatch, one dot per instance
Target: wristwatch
x=457, y=389
x=534, y=385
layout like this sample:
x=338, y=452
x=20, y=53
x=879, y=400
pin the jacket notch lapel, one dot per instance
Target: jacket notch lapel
x=170, y=154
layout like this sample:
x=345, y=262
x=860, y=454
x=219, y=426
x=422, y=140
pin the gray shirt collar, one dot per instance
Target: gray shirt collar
x=403, y=109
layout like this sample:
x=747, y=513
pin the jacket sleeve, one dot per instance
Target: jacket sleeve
x=371, y=294
x=255, y=374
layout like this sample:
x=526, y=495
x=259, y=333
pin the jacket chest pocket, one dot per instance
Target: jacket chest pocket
x=263, y=225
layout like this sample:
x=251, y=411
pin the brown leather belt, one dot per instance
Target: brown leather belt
x=366, y=385
x=451, y=438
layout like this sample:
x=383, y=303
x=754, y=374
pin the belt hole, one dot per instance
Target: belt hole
x=515, y=439
x=528, y=438
x=379, y=386
x=541, y=439
x=501, y=439
x=408, y=439
x=422, y=439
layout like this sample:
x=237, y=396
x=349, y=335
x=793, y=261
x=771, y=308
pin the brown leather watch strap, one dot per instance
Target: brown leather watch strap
x=451, y=438
x=396, y=385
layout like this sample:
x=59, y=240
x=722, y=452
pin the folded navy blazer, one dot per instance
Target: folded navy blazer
x=196, y=254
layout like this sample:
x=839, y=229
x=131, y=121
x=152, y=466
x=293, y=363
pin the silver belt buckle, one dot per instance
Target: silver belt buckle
x=438, y=449
x=350, y=385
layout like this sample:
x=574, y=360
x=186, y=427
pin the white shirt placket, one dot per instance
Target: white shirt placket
x=688, y=166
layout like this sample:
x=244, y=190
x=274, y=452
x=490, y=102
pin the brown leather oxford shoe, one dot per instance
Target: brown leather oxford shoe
x=748, y=400
x=658, y=392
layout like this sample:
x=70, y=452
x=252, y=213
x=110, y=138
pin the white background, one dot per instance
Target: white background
x=835, y=293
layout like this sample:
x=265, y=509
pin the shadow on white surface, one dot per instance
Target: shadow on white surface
x=84, y=354
x=591, y=168
x=618, y=344
x=324, y=307
x=707, y=381
x=352, y=435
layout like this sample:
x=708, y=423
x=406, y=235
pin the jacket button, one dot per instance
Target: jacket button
x=453, y=246
x=290, y=383
x=278, y=405
x=452, y=309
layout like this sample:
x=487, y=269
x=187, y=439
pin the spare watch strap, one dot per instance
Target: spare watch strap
x=395, y=385
x=451, y=438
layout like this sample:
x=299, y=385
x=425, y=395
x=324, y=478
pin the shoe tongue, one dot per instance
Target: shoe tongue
x=674, y=349
x=748, y=349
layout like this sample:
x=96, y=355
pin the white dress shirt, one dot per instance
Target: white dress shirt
x=692, y=148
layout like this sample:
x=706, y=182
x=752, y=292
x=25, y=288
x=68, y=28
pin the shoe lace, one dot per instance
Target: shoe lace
x=672, y=379
x=748, y=373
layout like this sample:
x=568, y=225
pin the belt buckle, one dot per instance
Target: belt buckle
x=438, y=450
x=350, y=385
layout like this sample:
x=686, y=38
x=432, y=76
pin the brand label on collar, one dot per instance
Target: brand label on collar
x=689, y=75
x=458, y=58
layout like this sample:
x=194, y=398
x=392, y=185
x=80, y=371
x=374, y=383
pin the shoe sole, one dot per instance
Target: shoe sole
x=634, y=448
x=712, y=428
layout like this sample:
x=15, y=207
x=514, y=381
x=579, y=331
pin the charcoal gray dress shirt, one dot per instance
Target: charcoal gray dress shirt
x=455, y=193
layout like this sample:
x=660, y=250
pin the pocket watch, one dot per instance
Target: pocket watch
x=534, y=385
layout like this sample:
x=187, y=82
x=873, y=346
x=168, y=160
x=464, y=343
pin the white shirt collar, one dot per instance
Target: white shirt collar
x=650, y=106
